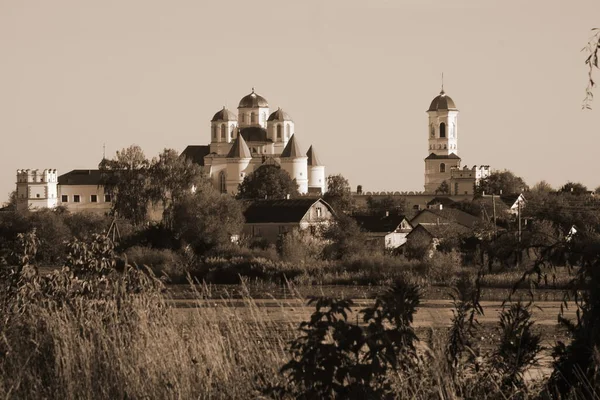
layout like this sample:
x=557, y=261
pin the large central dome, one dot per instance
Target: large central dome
x=442, y=102
x=253, y=100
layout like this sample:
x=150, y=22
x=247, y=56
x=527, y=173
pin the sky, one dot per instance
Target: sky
x=356, y=76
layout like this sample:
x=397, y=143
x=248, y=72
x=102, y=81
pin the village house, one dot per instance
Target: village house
x=268, y=219
x=386, y=232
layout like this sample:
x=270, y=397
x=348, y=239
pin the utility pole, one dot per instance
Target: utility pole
x=494, y=205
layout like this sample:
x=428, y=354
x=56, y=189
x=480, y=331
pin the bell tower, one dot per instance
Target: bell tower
x=442, y=133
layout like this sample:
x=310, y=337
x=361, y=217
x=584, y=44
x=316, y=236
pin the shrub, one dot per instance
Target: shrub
x=336, y=359
x=160, y=261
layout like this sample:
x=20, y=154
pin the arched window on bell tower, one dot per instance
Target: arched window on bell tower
x=253, y=118
x=214, y=132
x=224, y=132
x=442, y=167
x=222, y=182
x=442, y=130
x=279, y=131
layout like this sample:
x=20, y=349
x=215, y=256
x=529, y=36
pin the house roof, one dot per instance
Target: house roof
x=196, y=154
x=444, y=201
x=239, y=149
x=439, y=231
x=432, y=216
x=280, y=211
x=376, y=223
x=510, y=199
x=292, y=149
x=313, y=160
x=81, y=177
x=450, y=156
x=254, y=134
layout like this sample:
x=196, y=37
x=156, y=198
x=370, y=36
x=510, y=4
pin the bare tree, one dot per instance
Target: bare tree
x=592, y=62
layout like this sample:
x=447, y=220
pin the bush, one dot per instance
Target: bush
x=162, y=262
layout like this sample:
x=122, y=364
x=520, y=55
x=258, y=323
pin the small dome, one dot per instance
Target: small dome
x=279, y=115
x=442, y=102
x=253, y=100
x=224, y=115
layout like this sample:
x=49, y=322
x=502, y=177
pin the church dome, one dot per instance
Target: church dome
x=279, y=115
x=224, y=115
x=442, y=102
x=253, y=100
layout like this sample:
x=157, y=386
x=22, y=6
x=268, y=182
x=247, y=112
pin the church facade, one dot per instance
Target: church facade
x=254, y=137
x=443, y=172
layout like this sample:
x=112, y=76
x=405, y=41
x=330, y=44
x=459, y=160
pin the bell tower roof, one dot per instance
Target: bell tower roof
x=442, y=102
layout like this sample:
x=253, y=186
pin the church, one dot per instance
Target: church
x=443, y=173
x=254, y=137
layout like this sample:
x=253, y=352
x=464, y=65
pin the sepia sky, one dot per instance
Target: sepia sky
x=356, y=77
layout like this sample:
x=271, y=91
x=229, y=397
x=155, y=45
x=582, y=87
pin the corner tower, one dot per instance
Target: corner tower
x=442, y=132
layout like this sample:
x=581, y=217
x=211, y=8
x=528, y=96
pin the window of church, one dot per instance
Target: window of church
x=442, y=130
x=222, y=182
x=253, y=118
x=223, y=131
x=64, y=198
x=279, y=131
x=214, y=129
x=442, y=167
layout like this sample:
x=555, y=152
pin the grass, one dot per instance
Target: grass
x=136, y=346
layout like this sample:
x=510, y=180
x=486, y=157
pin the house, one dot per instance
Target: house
x=267, y=219
x=506, y=205
x=444, y=217
x=386, y=232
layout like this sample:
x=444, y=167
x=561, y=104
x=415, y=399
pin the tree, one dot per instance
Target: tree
x=592, y=62
x=126, y=177
x=268, y=182
x=12, y=201
x=501, y=182
x=443, y=188
x=207, y=219
x=172, y=177
x=575, y=188
x=542, y=187
x=338, y=193
x=344, y=238
x=393, y=205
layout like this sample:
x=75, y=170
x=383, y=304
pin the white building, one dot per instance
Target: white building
x=242, y=143
x=36, y=189
x=443, y=163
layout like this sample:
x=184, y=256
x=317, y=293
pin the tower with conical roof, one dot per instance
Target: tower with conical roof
x=238, y=163
x=316, y=172
x=442, y=132
x=294, y=162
